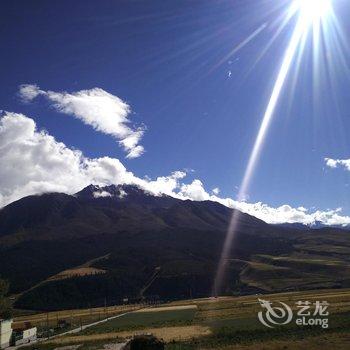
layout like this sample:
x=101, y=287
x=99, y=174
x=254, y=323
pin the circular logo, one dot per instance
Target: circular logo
x=274, y=315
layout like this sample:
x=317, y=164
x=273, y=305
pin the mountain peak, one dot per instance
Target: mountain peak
x=116, y=191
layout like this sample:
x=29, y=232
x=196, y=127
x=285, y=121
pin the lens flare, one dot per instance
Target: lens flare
x=311, y=14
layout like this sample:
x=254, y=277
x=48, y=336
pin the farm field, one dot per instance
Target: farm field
x=156, y=317
x=74, y=318
x=223, y=323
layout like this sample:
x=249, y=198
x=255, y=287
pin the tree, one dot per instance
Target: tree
x=5, y=305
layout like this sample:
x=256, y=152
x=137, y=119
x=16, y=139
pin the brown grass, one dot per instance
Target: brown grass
x=79, y=271
x=168, y=308
x=168, y=334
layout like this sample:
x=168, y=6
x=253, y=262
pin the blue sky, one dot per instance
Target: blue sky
x=199, y=107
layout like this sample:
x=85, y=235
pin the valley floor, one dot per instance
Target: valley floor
x=218, y=323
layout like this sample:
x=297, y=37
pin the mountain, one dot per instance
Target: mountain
x=314, y=226
x=111, y=242
x=294, y=225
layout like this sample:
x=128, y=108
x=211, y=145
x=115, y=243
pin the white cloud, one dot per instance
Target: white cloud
x=334, y=163
x=34, y=162
x=288, y=214
x=29, y=92
x=282, y=214
x=135, y=152
x=102, y=194
x=163, y=184
x=103, y=111
x=216, y=191
x=194, y=191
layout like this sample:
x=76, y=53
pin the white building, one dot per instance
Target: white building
x=5, y=333
x=23, y=336
x=29, y=335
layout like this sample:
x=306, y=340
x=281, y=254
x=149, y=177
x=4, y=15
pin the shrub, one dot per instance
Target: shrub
x=145, y=342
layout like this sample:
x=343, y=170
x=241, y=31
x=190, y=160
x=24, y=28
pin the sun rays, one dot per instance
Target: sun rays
x=315, y=18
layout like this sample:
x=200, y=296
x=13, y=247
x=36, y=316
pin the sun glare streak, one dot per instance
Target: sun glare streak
x=276, y=92
x=240, y=45
x=285, y=21
x=311, y=14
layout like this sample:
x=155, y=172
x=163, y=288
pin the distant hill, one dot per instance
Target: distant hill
x=114, y=242
x=314, y=226
x=294, y=225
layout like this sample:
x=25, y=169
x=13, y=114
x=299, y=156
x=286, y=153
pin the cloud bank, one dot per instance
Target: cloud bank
x=34, y=162
x=103, y=111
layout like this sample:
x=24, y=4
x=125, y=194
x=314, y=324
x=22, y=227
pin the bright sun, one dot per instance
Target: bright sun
x=313, y=10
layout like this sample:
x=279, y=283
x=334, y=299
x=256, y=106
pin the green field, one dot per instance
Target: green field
x=140, y=320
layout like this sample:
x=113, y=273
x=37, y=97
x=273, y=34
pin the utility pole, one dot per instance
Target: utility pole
x=47, y=325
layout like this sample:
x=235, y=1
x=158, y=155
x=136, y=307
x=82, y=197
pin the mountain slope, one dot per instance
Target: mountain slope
x=138, y=234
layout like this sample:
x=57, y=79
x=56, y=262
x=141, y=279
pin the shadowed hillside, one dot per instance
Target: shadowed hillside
x=149, y=246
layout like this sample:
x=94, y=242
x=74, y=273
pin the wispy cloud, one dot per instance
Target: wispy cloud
x=103, y=111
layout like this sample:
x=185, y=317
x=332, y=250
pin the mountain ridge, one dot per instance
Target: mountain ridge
x=139, y=232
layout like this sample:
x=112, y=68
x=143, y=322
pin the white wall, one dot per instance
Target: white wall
x=5, y=333
x=29, y=333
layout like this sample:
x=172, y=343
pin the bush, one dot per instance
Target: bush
x=146, y=342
